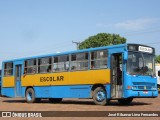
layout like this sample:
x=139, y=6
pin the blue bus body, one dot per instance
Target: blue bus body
x=121, y=72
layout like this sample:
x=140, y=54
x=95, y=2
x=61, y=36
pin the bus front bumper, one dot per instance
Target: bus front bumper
x=140, y=94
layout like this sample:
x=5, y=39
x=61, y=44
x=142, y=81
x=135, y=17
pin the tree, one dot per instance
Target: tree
x=157, y=58
x=102, y=39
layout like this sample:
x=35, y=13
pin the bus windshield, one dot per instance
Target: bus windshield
x=140, y=64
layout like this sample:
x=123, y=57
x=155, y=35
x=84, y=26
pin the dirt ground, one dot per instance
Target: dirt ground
x=138, y=104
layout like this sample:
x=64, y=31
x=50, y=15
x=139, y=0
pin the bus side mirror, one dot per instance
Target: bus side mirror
x=125, y=56
x=159, y=73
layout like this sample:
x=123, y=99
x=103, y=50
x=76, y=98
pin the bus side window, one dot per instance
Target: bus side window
x=49, y=69
x=92, y=65
x=73, y=68
x=79, y=61
x=8, y=69
x=61, y=63
x=99, y=59
x=31, y=66
x=44, y=65
x=57, y=69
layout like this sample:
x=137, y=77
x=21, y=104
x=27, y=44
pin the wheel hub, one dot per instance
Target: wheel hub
x=29, y=96
x=100, y=96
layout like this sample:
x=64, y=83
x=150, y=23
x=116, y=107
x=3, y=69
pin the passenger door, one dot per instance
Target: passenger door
x=18, y=74
x=116, y=75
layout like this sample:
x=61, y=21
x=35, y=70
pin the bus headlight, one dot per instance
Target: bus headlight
x=134, y=87
x=154, y=88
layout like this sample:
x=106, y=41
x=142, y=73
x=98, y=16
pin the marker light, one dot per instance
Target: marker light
x=128, y=87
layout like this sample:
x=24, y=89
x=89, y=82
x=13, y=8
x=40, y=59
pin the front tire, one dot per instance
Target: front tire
x=30, y=96
x=99, y=96
x=125, y=101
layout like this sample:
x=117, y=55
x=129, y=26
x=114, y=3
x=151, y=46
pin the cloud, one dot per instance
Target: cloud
x=138, y=24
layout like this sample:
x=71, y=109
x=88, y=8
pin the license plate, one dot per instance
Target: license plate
x=145, y=92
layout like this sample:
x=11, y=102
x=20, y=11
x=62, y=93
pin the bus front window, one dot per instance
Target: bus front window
x=140, y=64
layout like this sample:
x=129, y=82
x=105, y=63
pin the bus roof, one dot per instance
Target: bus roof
x=68, y=52
x=75, y=51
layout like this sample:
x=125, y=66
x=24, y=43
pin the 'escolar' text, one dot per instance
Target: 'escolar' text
x=49, y=79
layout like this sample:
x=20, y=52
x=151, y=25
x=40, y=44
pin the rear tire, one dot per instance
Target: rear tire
x=55, y=100
x=30, y=96
x=126, y=101
x=100, y=96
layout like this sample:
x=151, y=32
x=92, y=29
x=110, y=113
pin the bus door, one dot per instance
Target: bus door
x=17, y=74
x=116, y=75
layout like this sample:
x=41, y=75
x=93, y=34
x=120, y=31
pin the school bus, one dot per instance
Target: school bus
x=120, y=72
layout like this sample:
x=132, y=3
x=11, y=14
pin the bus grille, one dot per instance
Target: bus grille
x=145, y=87
x=143, y=83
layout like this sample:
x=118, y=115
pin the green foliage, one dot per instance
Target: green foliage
x=102, y=39
x=157, y=58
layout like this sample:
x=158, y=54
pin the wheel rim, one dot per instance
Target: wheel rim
x=100, y=96
x=29, y=96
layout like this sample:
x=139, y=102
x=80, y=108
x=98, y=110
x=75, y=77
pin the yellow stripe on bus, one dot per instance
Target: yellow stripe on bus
x=8, y=81
x=68, y=78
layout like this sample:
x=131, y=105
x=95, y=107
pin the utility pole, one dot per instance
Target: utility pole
x=77, y=43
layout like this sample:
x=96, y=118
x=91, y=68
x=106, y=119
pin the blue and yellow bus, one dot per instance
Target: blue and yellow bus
x=118, y=72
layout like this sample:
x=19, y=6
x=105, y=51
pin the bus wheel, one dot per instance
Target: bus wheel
x=99, y=96
x=30, y=95
x=126, y=101
x=55, y=100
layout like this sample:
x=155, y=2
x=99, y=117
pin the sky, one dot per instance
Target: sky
x=37, y=27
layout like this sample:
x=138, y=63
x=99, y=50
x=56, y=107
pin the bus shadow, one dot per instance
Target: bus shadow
x=78, y=102
x=110, y=104
x=46, y=101
x=131, y=104
x=14, y=101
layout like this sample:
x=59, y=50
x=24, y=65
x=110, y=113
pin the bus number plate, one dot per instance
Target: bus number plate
x=145, y=92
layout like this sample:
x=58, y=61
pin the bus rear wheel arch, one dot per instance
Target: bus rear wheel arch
x=99, y=96
x=30, y=96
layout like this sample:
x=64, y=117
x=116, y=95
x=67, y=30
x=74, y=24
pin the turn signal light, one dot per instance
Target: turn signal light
x=128, y=87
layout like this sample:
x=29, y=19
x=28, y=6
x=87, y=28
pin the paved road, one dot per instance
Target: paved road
x=138, y=104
